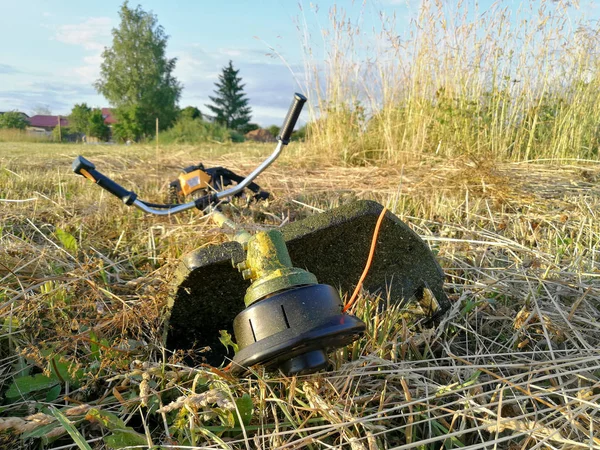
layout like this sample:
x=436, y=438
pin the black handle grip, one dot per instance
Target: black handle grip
x=292, y=117
x=82, y=166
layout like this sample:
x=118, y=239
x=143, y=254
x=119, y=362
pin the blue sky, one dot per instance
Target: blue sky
x=50, y=52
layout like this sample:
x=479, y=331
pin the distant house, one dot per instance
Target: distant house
x=109, y=119
x=47, y=123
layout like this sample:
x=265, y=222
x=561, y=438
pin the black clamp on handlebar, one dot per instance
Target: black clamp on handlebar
x=205, y=201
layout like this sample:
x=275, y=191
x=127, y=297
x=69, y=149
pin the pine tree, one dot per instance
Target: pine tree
x=230, y=103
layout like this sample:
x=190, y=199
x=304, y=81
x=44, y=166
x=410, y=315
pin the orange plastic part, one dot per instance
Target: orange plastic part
x=193, y=181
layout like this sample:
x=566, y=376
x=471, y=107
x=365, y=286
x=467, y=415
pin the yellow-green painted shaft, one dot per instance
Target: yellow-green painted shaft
x=268, y=263
x=270, y=267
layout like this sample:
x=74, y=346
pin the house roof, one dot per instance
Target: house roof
x=109, y=119
x=47, y=121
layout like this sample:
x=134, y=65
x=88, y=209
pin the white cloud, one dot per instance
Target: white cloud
x=92, y=34
x=55, y=92
x=90, y=71
x=6, y=69
x=400, y=2
x=230, y=52
x=266, y=116
x=195, y=65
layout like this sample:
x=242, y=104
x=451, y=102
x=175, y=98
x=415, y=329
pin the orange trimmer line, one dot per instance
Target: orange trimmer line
x=369, y=260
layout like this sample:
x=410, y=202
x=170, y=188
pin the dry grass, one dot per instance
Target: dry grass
x=14, y=135
x=515, y=81
x=515, y=364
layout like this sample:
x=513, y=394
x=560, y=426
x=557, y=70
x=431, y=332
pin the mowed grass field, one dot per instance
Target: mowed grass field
x=84, y=283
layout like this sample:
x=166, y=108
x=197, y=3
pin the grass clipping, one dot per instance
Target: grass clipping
x=514, y=364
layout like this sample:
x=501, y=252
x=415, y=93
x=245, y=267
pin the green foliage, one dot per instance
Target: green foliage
x=136, y=76
x=25, y=386
x=121, y=435
x=230, y=103
x=57, y=134
x=190, y=112
x=96, y=126
x=67, y=240
x=70, y=428
x=128, y=126
x=13, y=120
x=236, y=136
x=64, y=134
x=249, y=127
x=274, y=130
x=79, y=118
x=245, y=408
x=299, y=134
x=84, y=120
x=227, y=341
x=192, y=131
x=43, y=385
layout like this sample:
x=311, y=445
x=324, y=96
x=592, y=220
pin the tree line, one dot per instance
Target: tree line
x=136, y=77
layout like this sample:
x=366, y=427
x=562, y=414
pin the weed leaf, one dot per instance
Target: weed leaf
x=21, y=387
x=245, y=407
x=75, y=435
x=122, y=436
x=67, y=240
x=125, y=438
x=226, y=340
x=53, y=393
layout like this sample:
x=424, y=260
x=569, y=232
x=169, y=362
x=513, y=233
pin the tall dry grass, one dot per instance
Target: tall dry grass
x=15, y=135
x=506, y=83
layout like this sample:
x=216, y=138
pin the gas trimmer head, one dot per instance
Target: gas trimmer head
x=277, y=291
x=333, y=246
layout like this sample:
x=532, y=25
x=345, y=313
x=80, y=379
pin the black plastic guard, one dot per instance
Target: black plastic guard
x=333, y=245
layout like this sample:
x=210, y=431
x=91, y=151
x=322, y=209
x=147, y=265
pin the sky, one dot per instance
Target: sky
x=51, y=50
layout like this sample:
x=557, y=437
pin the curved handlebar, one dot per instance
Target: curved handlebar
x=87, y=169
x=82, y=166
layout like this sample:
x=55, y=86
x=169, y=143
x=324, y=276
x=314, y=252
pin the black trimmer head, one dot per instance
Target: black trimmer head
x=293, y=329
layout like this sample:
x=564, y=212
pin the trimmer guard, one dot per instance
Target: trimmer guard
x=333, y=245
